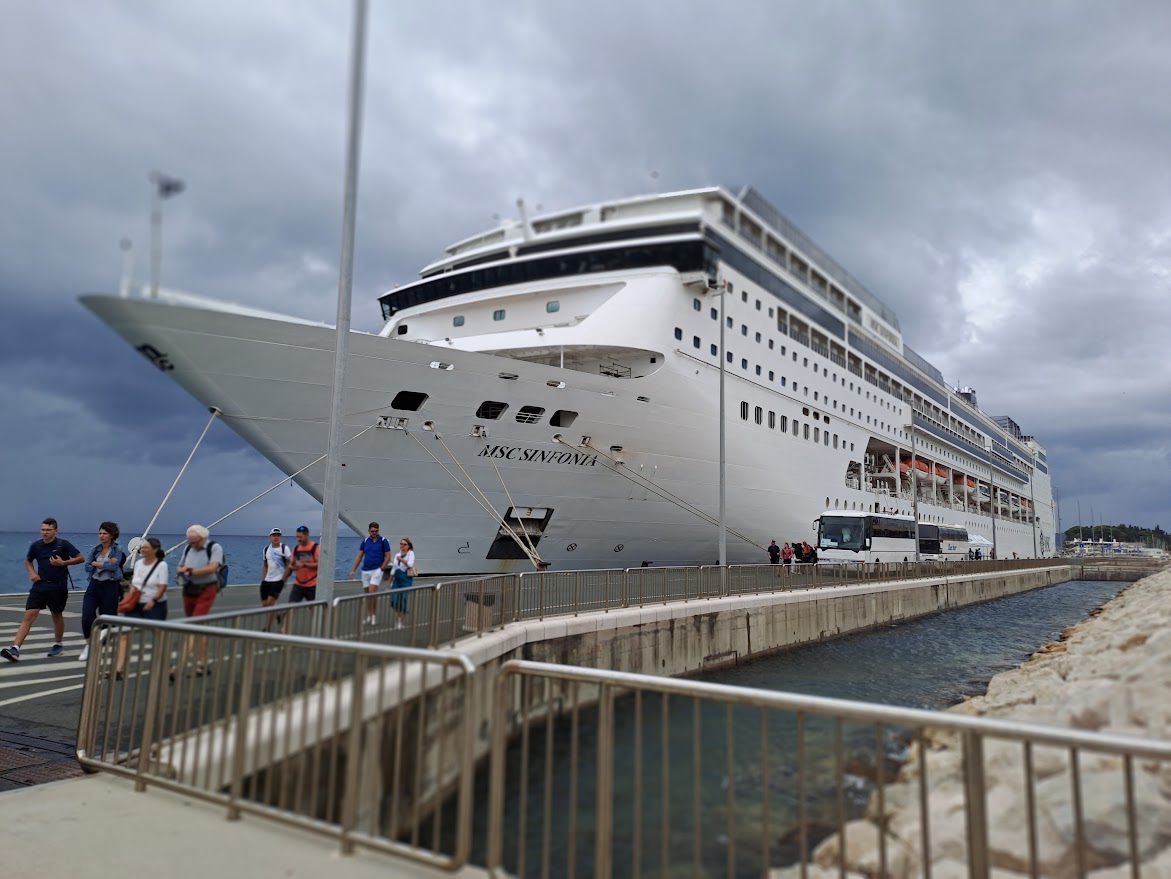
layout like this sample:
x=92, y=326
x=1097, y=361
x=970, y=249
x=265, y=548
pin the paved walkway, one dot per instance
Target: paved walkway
x=98, y=827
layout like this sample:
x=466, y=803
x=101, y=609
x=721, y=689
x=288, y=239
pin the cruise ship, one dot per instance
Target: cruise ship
x=547, y=395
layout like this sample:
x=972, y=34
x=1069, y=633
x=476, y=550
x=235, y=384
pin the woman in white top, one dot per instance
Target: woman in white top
x=403, y=559
x=150, y=578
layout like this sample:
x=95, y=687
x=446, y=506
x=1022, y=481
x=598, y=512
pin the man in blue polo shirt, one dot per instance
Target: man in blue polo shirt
x=374, y=554
x=50, y=588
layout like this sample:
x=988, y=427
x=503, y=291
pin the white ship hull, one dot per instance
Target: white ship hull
x=271, y=380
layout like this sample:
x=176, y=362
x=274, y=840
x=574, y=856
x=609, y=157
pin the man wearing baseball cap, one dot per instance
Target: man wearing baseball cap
x=276, y=566
x=304, y=568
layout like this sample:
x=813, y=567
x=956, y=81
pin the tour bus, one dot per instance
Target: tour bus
x=945, y=543
x=857, y=536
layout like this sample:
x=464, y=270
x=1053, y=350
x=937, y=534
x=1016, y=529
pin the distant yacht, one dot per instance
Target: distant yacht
x=547, y=394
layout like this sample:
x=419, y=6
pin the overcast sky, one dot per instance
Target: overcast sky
x=998, y=173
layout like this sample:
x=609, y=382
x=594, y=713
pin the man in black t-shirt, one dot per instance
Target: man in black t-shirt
x=50, y=586
x=774, y=553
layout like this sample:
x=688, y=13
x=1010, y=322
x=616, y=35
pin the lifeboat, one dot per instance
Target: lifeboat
x=962, y=484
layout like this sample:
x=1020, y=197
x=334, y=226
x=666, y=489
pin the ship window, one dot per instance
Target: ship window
x=678, y=333
x=729, y=322
x=562, y=418
x=758, y=415
x=457, y=321
x=784, y=423
x=770, y=375
x=744, y=363
x=770, y=344
x=498, y=314
x=816, y=435
x=835, y=440
x=758, y=369
x=743, y=329
x=715, y=314
x=758, y=337
x=729, y=356
x=715, y=352
x=796, y=427
x=770, y=312
x=806, y=431
x=697, y=305
x=744, y=410
x=530, y=414
x=402, y=329
x=743, y=295
x=408, y=400
x=695, y=341
x=758, y=305
x=552, y=306
x=772, y=420
x=491, y=410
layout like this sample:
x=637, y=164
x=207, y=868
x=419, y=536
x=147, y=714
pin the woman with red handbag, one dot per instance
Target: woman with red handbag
x=147, y=596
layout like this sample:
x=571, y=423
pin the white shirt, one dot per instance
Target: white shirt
x=401, y=562
x=157, y=582
x=276, y=556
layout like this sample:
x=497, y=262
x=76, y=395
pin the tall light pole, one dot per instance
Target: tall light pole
x=723, y=288
x=331, y=500
x=162, y=187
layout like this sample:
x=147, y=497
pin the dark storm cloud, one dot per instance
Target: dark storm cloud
x=997, y=175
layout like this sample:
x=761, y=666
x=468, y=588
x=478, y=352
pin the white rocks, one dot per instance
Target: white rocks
x=1111, y=674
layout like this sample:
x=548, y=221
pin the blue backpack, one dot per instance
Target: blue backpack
x=222, y=573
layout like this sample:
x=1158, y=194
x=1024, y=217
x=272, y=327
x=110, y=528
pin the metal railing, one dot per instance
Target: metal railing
x=306, y=619
x=443, y=613
x=356, y=741
x=621, y=773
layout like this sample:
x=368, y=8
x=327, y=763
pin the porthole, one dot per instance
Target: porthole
x=552, y=306
x=401, y=329
x=743, y=410
x=562, y=418
x=409, y=401
x=457, y=321
x=491, y=410
x=529, y=414
x=678, y=333
x=498, y=314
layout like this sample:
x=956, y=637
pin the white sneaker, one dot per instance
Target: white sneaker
x=371, y=620
x=84, y=653
x=398, y=624
x=105, y=632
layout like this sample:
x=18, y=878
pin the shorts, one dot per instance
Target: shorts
x=54, y=600
x=302, y=593
x=271, y=589
x=372, y=579
x=200, y=604
x=158, y=612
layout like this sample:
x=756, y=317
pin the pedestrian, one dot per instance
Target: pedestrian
x=774, y=553
x=786, y=554
x=276, y=565
x=150, y=577
x=50, y=586
x=374, y=555
x=198, y=575
x=304, y=568
x=403, y=566
x=105, y=574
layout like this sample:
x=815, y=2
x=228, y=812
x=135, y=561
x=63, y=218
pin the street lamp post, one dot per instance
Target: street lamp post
x=723, y=430
x=162, y=187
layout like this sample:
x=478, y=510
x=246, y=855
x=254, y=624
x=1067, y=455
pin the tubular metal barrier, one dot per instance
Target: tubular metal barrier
x=360, y=742
x=306, y=619
x=600, y=773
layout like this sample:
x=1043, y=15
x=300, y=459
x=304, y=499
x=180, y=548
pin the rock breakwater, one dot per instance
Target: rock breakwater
x=1051, y=811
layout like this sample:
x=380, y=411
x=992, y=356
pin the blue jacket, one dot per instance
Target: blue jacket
x=111, y=570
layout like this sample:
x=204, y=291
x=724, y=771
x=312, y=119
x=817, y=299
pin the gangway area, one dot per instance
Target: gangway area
x=389, y=742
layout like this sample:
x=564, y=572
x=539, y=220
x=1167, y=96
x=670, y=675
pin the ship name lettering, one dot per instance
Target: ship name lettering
x=540, y=456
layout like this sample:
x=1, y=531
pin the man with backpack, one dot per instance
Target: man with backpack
x=199, y=575
x=276, y=565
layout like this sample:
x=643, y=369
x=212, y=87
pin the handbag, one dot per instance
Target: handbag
x=130, y=600
x=412, y=572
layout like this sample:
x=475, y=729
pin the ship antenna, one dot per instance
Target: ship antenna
x=526, y=231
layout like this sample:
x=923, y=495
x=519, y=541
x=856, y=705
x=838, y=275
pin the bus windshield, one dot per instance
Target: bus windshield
x=841, y=532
